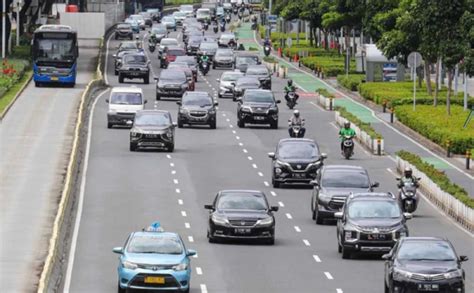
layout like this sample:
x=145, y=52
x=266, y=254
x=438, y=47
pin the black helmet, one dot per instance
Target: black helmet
x=347, y=124
x=290, y=82
x=408, y=172
x=296, y=113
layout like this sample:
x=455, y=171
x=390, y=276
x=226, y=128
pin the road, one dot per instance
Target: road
x=126, y=191
x=35, y=141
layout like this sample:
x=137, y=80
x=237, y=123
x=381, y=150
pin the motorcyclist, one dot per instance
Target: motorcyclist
x=407, y=178
x=296, y=120
x=204, y=58
x=346, y=131
x=290, y=88
x=267, y=42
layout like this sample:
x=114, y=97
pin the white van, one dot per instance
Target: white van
x=203, y=14
x=124, y=102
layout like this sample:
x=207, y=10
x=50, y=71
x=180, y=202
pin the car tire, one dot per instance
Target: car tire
x=180, y=124
x=116, y=72
x=219, y=96
x=346, y=254
x=274, y=125
x=120, y=289
x=213, y=124
x=110, y=125
x=240, y=123
x=210, y=238
x=386, y=289
x=133, y=147
x=319, y=220
x=275, y=183
x=158, y=97
x=170, y=148
x=38, y=84
x=146, y=79
x=120, y=78
x=213, y=66
x=270, y=241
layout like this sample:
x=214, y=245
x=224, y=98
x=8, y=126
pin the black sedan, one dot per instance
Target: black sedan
x=123, y=31
x=171, y=83
x=197, y=108
x=261, y=73
x=370, y=223
x=424, y=264
x=243, y=214
x=257, y=107
x=152, y=129
x=133, y=66
x=296, y=160
x=333, y=184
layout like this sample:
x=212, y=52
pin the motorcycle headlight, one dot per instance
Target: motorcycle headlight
x=453, y=274
x=219, y=220
x=180, y=267
x=350, y=236
x=265, y=222
x=401, y=274
x=409, y=194
x=129, y=265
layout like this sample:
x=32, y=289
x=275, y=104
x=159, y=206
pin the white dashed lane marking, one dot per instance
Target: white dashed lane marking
x=266, y=183
x=244, y=150
x=260, y=174
x=171, y=164
x=198, y=271
x=254, y=166
x=203, y=288
x=297, y=229
x=250, y=158
x=175, y=181
x=288, y=215
x=281, y=204
x=187, y=225
x=178, y=190
x=328, y=275
x=168, y=156
x=173, y=172
x=316, y=258
x=180, y=202
x=339, y=290
x=190, y=239
x=306, y=242
x=183, y=213
x=273, y=193
x=241, y=144
x=237, y=137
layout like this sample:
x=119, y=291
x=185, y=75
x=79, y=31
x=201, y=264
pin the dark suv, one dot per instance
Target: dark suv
x=133, y=66
x=370, y=223
x=171, y=83
x=152, y=129
x=257, y=107
x=244, y=60
x=333, y=184
x=197, y=108
x=295, y=160
x=244, y=83
x=123, y=31
x=262, y=74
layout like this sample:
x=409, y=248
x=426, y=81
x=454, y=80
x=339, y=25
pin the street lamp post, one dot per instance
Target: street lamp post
x=18, y=22
x=4, y=24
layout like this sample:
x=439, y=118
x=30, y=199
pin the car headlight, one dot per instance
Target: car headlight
x=129, y=265
x=183, y=111
x=223, y=88
x=453, y=274
x=219, y=220
x=265, y=222
x=184, y=86
x=399, y=234
x=401, y=274
x=324, y=197
x=212, y=111
x=280, y=164
x=350, y=236
x=315, y=164
x=134, y=134
x=180, y=267
x=245, y=109
x=112, y=111
x=278, y=171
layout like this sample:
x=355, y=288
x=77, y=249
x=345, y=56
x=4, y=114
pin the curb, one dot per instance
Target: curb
x=23, y=87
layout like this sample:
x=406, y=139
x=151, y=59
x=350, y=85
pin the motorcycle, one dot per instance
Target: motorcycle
x=227, y=18
x=266, y=50
x=296, y=130
x=205, y=26
x=408, y=196
x=232, y=44
x=151, y=45
x=347, y=147
x=235, y=10
x=223, y=27
x=291, y=100
x=204, y=67
x=215, y=29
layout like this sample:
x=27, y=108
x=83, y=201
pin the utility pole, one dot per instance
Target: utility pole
x=18, y=22
x=4, y=29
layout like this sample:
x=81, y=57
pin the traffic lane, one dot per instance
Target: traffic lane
x=36, y=138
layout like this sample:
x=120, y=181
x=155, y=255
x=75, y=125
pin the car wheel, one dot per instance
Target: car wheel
x=271, y=241
x=317, y=216
x=346, y=254
x=158, y=97
x=120, y=289
x=240, y=123
x=37, y=84
x=210, y=238
x=275, y=183
x=180, y=124
x=386, y=289
x=170, y=148
x=121, y=78
x=274, y=125
x=213, y=124
x=219, y=96
x=110, y=125
x=133, y=147
x=115, y=72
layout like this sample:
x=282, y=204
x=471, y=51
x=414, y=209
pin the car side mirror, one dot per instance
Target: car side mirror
x=218, y=79
x=274, y=209
x=114, y=55
x=278, y=101
x=191, y=252
x=338, y=215
x=398, y=178
x=118, y=250
x=463, y=258
x=314, y=182
x=407, y=216
x=209, y=207
x=239, y=99
x=179, y=103
x=156, y=78
x=174, y=124
x=324, y=155
x=107, y=101
x=375, y=184
x=271, y=155
x=216, y=104
x=386, y=256
x=146, y=101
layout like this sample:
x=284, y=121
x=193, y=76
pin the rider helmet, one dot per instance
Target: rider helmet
x=347, y=124
x=290, y=82
x=408, y=172
x=296, y=113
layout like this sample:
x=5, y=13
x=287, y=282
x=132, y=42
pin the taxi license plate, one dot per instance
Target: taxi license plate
x=243, y=230
x=428, y=287
x=155, y=280
x=54, y=78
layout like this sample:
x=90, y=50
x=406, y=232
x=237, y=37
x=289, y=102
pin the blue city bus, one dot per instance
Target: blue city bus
x=55, y=50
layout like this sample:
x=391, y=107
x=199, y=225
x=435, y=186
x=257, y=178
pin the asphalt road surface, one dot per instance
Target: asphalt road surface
x=125, y=191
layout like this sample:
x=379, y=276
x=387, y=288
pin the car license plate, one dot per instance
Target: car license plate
x=155, y=280
x=299, y=175
x=54, y=78
x=259, y=118
x=134, y=73
x=243, y=230
x=376, y=237
x=428, y=287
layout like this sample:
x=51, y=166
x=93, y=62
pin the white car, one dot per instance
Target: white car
x=124, y=102
x=188, y=9
x=140, y=19
x=179, y=17
x=203, y=14
x=169, y=22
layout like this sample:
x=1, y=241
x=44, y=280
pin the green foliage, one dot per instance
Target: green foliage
x=253, y=48
x=438, y=177
x=270, y=59
x=399, y=93
x=330, y=65
x=433, y=123
x=325, y=92
x=351, y=81
x=179, y=2
x=359, y=123
x=21, y=52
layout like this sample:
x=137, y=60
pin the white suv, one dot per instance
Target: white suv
x=124, y=102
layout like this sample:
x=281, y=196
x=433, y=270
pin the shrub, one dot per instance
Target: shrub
x=331, y=66
x=351, y=81
x=433, y=123
x=438, y=177
x=365, y=126
x=253, y=49
x=21, y=52
x=270, y=59
x=325, y=92
x=10, y=72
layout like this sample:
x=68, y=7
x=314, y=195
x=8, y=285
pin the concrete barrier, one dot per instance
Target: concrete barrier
x=375, y=145
x=463, y=214
x=325, y=102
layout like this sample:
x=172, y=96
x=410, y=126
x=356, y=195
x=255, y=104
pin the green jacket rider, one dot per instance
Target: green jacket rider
x=346, y=131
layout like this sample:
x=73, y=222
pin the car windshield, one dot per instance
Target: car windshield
x=231, y=76
x=136, y=17
x=155, y=119
x=257, y=71
x=179, y=14
x=155, y=243
x=159, y=30
x=169, y=42
x=124, y=26
x=242, y=201
x=209, y=46
x=220, y=10
x=345, y=179
x=187, y=8
x=167, y=19
x=203, y=13
x=224, y=53
x=373, y=209
x=197, y=100
x=172, y=75
x=246, y=60
x=426, y=250
x=298, y=150
x=134, y=58
x=128, y=45
x=131, y=22
x=258, y=97
x=176, y=52
x=226, y=37
x=126, y=98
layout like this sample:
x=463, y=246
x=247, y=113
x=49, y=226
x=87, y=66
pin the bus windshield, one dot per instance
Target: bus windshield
x=55, y=50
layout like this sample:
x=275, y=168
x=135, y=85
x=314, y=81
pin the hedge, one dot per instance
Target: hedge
x=11, y=71
x=325, y=92
x=180, y=2
x=351, y=81
x=400, y=93
x=330, y=65
x=433, y=123
x=438, y=177
x=359, y=123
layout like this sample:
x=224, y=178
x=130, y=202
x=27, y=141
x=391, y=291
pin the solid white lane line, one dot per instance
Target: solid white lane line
x=288, y=215
x=168, y=156
x=328, y=275
x=173, y=172
x=281, y=204
x=250, y=158
x=190, y=239
x=244, y=150
x=266, y=183
x=306, y=242
x=273, y=193
x=297, y=229
x=77, y=223
x=183, y=213
x=180, y=202
x=316, y=258
x=175, y=181
x=198, y=271
x=203, y=288
x=338, y=290
x=254, y=166
x=187, y=225
x=178, y=190
x=260, y=174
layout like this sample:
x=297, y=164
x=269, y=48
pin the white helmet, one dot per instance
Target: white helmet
x=296, y=113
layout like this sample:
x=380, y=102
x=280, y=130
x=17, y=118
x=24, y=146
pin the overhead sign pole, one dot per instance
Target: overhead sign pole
x=4, y=29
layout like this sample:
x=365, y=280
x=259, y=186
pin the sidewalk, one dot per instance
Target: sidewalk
x=394, y=139
x=36, y=137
